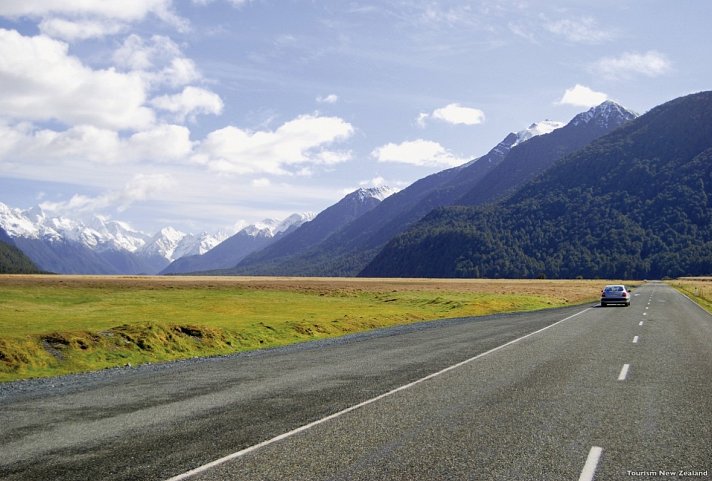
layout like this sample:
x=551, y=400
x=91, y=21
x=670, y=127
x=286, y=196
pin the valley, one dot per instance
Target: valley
x=55, y=325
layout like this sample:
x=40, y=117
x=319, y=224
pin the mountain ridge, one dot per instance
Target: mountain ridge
x=633, y=204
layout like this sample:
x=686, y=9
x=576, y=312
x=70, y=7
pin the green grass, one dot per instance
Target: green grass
x=48, y=330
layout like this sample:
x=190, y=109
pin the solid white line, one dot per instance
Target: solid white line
x=300, y=429
x=635, y=340
x=624, y=372
x=589, y=469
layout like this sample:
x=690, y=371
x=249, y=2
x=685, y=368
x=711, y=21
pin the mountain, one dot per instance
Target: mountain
x=97, y=245
x=233, y=249
x=12, y=259
x=636, y=203
x=309, y=234
x=530, y=158
x=516, y=159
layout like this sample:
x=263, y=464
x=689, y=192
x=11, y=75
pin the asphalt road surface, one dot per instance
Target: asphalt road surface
x=578, y=393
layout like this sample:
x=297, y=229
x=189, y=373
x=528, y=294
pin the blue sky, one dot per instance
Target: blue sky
x=201, y=114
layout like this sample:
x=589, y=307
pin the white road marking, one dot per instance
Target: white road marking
x=624, y=372
x=239, y=454
x=635, y=340
x=640, y=323
x=589, y=469
x=645, y=313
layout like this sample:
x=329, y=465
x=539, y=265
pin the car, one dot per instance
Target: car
x=615, y=294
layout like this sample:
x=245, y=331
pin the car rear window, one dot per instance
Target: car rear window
x=614, y=289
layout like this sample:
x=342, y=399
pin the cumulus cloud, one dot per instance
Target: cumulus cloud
x=582, y=96
x=85, y=143
x=159, y=61
x=629, y=64
x=40, y=81
x=189, y=103
x=454, y=114
x=418, y=152
x=140, y=187
x=290, y=148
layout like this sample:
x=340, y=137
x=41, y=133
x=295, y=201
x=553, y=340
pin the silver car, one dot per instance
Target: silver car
x=615, y=294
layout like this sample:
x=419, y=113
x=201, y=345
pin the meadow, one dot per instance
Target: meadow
x=699, y=289
x=52, y=325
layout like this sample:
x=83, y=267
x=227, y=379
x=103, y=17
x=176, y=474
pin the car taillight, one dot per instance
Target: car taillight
x=625, y=294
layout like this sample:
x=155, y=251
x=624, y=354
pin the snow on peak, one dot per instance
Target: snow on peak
x=272, y=227
x=605, y=114
x=164, y=243
x=379, y=193
x=537, y=128
x=198, y=244
x=98, y=233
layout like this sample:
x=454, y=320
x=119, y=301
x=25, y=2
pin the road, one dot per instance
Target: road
x=576, y=393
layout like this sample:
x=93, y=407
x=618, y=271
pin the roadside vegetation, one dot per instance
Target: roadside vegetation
x=52, y=325
x=699, y=289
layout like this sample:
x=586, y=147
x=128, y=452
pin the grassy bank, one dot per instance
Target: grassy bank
x=51, y=325
x=699, y=289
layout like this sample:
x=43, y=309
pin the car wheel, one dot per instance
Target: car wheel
x=603, y=304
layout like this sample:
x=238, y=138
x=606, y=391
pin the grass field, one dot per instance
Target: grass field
x=51, y=325
x=699, y=289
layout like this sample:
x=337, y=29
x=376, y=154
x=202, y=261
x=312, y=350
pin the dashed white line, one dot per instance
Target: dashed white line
x=589, y=469
x=635, y=340
x=624, y=372
x=640, y=323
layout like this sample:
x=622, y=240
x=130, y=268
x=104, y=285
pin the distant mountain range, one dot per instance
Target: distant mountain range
x=233, y=249
x=632, y=204
x=103, y=246
x=608, y=194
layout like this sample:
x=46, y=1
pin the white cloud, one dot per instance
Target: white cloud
x=79, y=30
x=329, y=99
x=583, y=30
x=457, y=114
x=40, y=81
x=261, y=182
x=84, y=143
x=453, y=114
x=582, y=96
x=418, y=152
x=125, y=10
x=158, y=60
x=649, y=64
x=189, y=103
x=303, y=140
x=140, y=187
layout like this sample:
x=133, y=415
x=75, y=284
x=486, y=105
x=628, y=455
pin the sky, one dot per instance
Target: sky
x=205, y=114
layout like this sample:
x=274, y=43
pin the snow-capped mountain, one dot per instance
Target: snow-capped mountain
x=233, y=249
x=310, y=234
x=198, y=244
x=378, y=193
x=97, y=233
x=163, y=243
x=604, y=115
x=537, y=128
x=99, y=245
